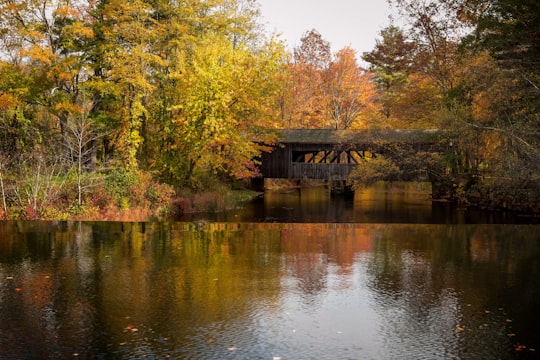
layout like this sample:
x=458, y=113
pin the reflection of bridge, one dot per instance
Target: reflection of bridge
x=332, y=154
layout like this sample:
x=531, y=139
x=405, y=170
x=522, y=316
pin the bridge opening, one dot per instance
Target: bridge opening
x=331, y=157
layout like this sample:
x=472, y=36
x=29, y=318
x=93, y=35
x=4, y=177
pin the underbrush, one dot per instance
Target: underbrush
x=128, y=196
x=117, y=195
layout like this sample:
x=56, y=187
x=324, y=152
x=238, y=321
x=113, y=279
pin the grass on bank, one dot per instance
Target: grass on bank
x=116, y=196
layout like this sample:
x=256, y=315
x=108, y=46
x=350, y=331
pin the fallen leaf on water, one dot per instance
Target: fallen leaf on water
x=9, y=278
x=511, y=335
x=520, y=347
x=131, y=328
x=460, y=329
x=18, y=289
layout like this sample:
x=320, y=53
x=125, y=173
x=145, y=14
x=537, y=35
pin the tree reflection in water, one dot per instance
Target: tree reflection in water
x=293, y=290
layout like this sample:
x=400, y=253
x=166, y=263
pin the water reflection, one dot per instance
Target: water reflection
x=248, y=291
x=397, y=202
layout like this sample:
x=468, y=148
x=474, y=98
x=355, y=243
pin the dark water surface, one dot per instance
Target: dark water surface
x=382, y=203
x=282, y=290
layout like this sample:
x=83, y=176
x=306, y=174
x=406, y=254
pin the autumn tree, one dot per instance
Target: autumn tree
x=487, y=87
x=178, y=89
x=129, y=33
x=44, y=40
x=325, y=91
x=16, y=133
x=499, y=93
x=215, y=96
x=418, y=104
x=303, y=95
x=220, y=109
x=509, y=30
x=314, y=50
x=302, y=105
x=348, y=90
x=435, y=30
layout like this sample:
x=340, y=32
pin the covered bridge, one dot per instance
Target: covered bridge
x=332, y=154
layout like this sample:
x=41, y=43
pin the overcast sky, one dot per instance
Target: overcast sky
x=354, y=23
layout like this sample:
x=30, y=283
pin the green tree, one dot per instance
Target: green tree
x=391, y=61
x=508, y=28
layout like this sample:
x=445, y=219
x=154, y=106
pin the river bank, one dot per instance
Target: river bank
x=145, y=200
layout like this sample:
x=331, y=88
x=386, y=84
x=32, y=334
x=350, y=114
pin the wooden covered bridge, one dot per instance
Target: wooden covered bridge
x=332, y=154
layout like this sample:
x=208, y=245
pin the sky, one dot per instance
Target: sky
x=354, y=23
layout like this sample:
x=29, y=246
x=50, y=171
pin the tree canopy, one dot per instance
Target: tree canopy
x=104, y=92
x=201, y=70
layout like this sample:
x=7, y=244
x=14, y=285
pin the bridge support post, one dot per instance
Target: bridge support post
x=257, y=184
x=340, y=187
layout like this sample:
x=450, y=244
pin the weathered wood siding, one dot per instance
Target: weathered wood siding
x=321, y=171
x=279, y=164
x=296, y=143
x=276, y=164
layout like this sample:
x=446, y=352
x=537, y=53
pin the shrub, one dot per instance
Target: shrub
x=119, y=183
x=160, y=194
x=372, y=171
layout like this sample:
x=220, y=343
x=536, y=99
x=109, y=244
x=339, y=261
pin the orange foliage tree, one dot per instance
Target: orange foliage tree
x=302, y=105
x=324, y=91
x=349, y=92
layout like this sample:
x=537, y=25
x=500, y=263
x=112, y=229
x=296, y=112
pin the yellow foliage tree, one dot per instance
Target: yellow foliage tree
x=219, y=105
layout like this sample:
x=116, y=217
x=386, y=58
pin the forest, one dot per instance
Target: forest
x=142, y=107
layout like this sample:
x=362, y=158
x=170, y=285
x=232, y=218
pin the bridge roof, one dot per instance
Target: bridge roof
x=330, y=136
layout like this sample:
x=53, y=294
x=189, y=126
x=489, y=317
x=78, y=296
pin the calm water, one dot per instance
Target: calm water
x=381, y=203
x=271, y=290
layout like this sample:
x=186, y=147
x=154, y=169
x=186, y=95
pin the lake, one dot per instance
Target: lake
x=295, y=275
